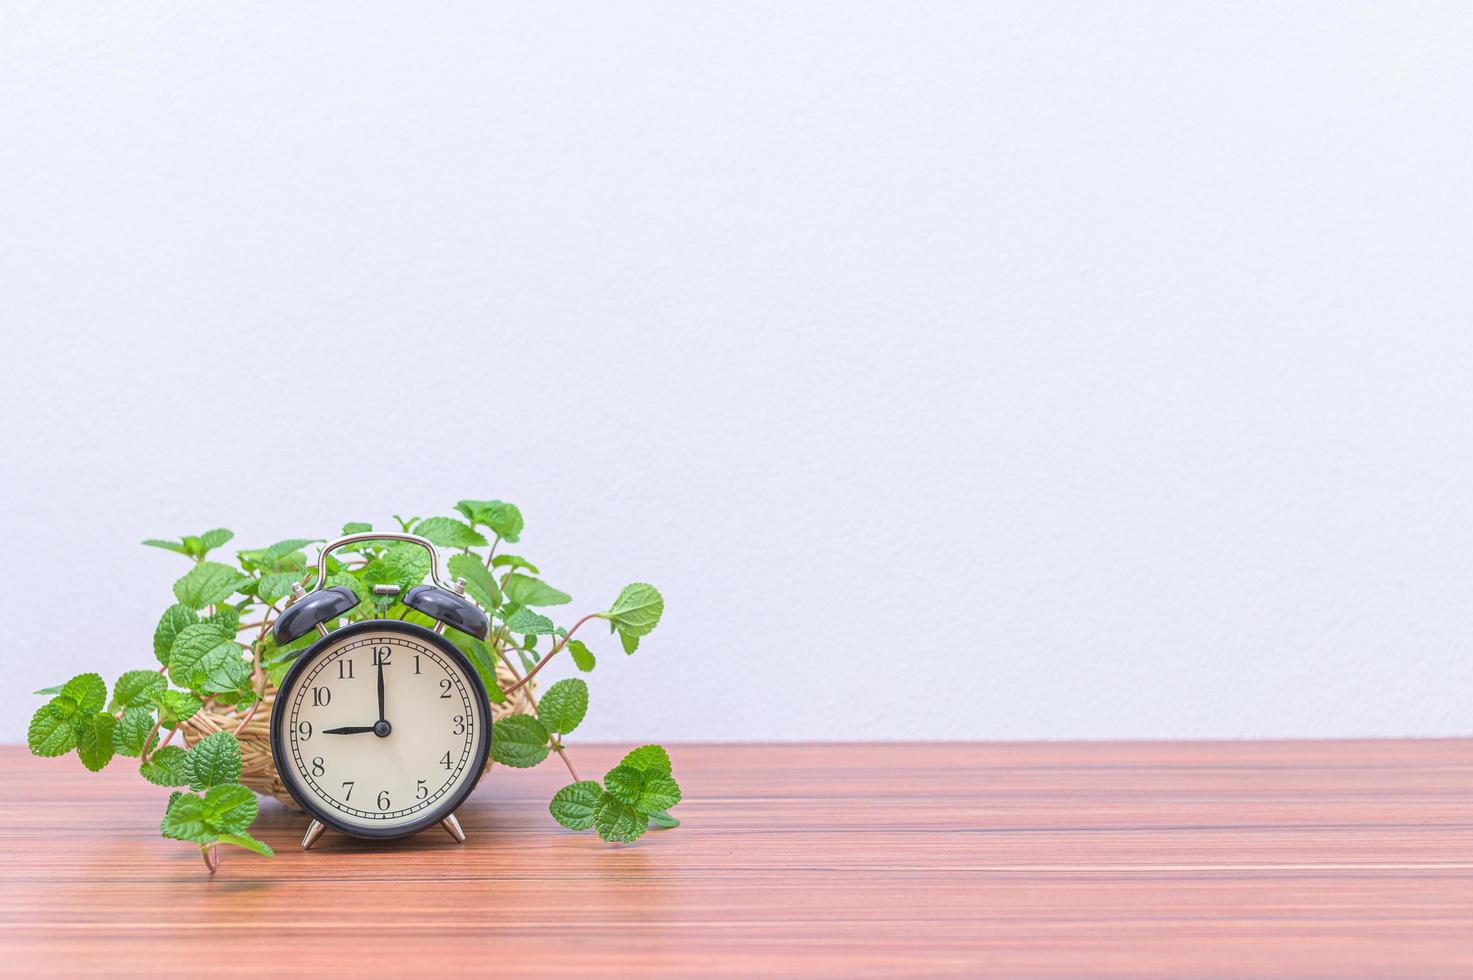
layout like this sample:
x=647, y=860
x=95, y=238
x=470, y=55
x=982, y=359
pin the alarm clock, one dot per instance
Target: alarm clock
x=381, y=728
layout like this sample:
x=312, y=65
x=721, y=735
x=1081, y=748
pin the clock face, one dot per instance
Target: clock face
x=375, y=764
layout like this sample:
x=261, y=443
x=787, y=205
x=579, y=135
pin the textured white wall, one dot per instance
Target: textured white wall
x=958, y=370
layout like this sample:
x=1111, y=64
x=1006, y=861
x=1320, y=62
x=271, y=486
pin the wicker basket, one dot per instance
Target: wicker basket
x=257, y=769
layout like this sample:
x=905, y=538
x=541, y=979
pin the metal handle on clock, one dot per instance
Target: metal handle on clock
x=347, y=539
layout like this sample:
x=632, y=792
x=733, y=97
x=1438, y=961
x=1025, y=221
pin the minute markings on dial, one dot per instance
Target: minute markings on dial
x=326, y=785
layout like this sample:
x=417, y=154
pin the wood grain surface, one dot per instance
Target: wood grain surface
x=1310, y=859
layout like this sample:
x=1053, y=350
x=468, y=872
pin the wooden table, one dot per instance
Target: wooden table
x=1164, y=859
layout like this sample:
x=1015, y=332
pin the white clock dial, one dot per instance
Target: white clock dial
x=382, y=772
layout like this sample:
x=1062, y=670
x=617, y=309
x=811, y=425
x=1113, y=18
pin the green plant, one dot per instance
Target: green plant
x=214, y=647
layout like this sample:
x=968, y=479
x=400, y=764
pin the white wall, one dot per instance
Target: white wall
x=1008, y=370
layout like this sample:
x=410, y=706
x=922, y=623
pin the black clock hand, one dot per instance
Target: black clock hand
x=381, y=718
x=349, y=730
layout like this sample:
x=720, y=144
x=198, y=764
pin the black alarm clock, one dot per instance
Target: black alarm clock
x=381, y=728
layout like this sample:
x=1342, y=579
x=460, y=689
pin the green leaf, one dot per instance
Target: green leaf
x=623, y=783
x=273, y=655
x=637, y=610
x=572, y=806
x=485, y=663
x=486, y=668
x=184, y=819
x=506, y=520
x=480, y=585
x=527, y=622
x=248, y=842
x=208, y=583
x=519, y=741
x=51, y=732
x=192, y=645
x=563, y=706
x=629, y=642
x=618, y=822
x=276, y=672
x=241, y=697
x=283, y=556
x=502, y=518
x=54, y=689
x=137, y=688
x=225, y=617
x=165, y=767
x=89, y=691
x=282, y=549
x=660, y=793
x=229, y=808
x=205, y=658
x=582, y=656
x=195, y=545
x=648, y=758
x=401, y=563
x=276, y=585
x=174, y=620
x=95, y=741
x=447, y=532
x=663, y=821
x=226, y=675
x=177, y=706
x=131, y=730
x=214, y=761
x=356, y=527
x=347, y=581
x=294, y=562
x=645, y=790
x=214, y=539
x=515, y=561
x=525, y=591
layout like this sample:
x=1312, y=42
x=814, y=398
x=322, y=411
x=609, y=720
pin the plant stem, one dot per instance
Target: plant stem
x=492, y=553
x=562, y=642
x=569, y=763
x=212, y=857
x=247, y=719
x=532, y=699
x=143, y=755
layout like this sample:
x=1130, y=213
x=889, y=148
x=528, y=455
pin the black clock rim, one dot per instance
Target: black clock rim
x=483, y=749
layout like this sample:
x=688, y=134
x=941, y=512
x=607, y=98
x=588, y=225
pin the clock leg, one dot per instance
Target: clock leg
x=314, y=831
x=452, y=827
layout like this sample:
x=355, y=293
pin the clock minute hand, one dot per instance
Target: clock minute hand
x=349, y=730
x=381, y=717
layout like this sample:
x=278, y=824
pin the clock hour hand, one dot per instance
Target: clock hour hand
x=349, y=730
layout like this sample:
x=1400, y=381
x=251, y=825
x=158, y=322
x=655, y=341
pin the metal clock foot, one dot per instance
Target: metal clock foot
x=314, y=831
x=452, y=827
